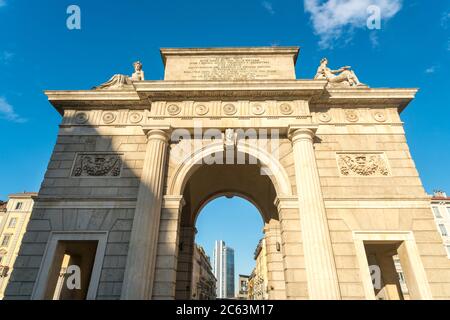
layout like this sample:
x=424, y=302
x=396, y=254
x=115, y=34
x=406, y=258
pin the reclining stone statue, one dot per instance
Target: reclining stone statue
x=342, y=77
x=119, y=81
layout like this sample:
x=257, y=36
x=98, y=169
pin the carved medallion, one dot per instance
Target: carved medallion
x=362, y=164
x=173, y=109
x=201, y=109
x=135, y=117
x=379, y=116
x=109, y=117
x=97, y=165
x=81, y=117
x=229, y=109
x=324, y=117
x=258, y=109
x=351, y=115
x=286, y=109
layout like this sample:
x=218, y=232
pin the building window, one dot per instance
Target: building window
x=12, y=223
x=443, y=229
x=436, y=212
x=19, y=205
x=448, y=210
x=5, y=240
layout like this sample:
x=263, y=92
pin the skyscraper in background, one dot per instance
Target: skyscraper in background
x=223, y=269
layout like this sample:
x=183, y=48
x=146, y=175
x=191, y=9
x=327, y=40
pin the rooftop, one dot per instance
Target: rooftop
x=440, y=195
x=23, y=195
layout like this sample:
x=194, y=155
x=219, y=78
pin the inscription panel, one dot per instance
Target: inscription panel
x=230, y=68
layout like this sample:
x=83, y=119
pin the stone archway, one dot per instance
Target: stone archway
x=209, y=182
x=193, y=185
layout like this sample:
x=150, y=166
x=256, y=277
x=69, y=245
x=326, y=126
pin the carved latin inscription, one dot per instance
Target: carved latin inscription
x=97, y=165
x=362, y=164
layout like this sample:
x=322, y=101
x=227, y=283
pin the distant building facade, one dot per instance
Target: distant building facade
x=223, y=269
x=203, y=279
x=243, y=287
x=440, y=205
x=258, y=280
x=13, y=225
x=2, y=212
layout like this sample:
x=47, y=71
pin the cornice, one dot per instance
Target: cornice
x=144, y=92
x=399, y=97
x=161, y=90
x=88, y=98
x=293, y=50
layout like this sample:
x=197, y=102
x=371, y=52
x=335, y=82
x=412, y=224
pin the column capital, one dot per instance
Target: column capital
x=299, y=132
x=286, y=203
x=173, y=201
x=161, y=132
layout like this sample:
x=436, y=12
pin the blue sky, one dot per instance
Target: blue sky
x=235, y=221
x=38, y=52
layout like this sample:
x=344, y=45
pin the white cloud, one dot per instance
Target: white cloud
x=445, y=20
x=331, y=19
x=430, y=70
x=2, y=3
x=268, y=6
x=7, y=112
x=6, y=56
x=374, y=39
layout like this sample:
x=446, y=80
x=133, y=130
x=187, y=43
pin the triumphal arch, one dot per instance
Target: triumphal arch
x=325, y=160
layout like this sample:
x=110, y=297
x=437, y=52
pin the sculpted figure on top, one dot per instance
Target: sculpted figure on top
x=344, y=76
x=120, y=81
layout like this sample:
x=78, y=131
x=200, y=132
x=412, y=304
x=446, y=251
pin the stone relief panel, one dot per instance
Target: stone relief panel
x=97, y=165
x=362, y=164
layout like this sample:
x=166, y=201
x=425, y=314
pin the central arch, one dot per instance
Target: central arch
x=209, y=182
x=260, y=183
x=193, y=183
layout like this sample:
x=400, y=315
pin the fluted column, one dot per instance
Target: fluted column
x=318, y=252
x=140, y=269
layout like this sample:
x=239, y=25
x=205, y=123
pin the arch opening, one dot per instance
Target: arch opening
x=206, y=185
